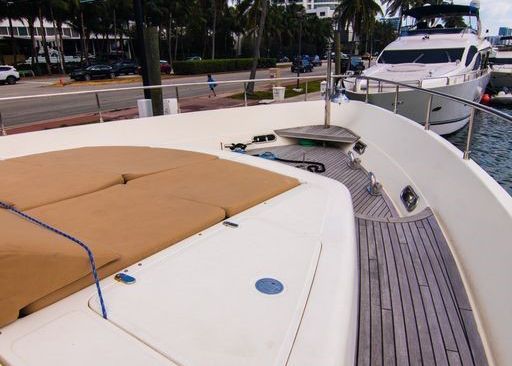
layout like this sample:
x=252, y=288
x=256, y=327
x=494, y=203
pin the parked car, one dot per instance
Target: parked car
x=165, y=67
x=93, y=72
x=284, y=59
x=193, y=58
x=9, y=75
x=125, y=67
x=316, y=61
x=301, y=65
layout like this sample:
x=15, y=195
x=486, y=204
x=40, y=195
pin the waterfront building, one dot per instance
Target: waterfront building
x=321, y=8
x=504, y=32
x=70, y=40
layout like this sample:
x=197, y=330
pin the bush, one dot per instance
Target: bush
x=221, y=65
x=40, y=68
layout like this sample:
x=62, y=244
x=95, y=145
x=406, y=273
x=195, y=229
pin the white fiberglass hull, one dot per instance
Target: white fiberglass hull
x=502, y=99
x=446, y=116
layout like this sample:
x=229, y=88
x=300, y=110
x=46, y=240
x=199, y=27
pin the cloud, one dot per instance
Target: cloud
x=493, y=13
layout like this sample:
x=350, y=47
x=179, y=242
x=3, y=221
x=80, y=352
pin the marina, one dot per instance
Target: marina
x=488, y=136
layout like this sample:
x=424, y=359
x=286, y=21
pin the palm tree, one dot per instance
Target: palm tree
x=399, y=6
x=360, y=14
x=30, y=14
x=256, y=13
x=7, y=10
x=59, y=14
x=42, y=11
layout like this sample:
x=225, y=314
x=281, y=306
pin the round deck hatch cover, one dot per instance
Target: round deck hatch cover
x=269, y=286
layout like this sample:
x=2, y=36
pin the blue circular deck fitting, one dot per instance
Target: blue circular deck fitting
x=269, y=286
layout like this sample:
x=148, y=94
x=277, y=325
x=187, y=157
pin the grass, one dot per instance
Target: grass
x=313, y=86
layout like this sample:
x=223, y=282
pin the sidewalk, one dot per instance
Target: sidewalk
x=191, y=104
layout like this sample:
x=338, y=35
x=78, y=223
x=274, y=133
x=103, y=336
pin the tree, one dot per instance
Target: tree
x=30, y=14
x=9, y=11
x=360, y=14
x=258, y=13
x=399, y=6
x=41, y=6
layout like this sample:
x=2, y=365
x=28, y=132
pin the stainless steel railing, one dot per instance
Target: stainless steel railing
x=474, y=106
x=176, y=86
x=448, y=80
x=398, y=86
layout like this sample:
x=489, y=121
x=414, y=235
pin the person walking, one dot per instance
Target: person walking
x=212, y=85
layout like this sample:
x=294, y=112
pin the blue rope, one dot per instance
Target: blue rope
x=69, y=237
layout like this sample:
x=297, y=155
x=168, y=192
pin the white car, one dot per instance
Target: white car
x=9, y=75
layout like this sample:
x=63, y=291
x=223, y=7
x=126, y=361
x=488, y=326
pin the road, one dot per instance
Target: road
x=32, y=110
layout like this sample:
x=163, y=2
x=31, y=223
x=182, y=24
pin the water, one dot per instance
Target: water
x=492, y=146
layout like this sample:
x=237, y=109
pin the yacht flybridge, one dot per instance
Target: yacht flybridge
x=308, y=233
x=440, y=47
x=501, y=60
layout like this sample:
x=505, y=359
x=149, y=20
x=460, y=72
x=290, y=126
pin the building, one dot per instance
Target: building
x=504, y=31
x=323, y=8
x=70, y=40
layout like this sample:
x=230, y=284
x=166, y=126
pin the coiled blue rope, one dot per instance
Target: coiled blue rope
x=69, y=237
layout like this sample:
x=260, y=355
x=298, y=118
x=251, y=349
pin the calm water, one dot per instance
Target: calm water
x=492, y=146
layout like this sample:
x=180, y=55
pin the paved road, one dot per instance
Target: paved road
x=32, y=110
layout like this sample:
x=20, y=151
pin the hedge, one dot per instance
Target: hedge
x=40, y=68
x=221, y=65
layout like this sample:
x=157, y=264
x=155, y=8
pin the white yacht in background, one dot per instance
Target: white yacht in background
x=440, y=48
x=501, y=61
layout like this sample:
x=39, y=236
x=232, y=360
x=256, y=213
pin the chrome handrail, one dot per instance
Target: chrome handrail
x=465, y=77
x=163, y=86
x=432, y=93
x=454, y=98
x=397, y=85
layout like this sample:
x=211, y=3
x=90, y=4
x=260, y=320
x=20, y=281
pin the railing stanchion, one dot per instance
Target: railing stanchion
x=306, y=92
x=3, y=132
x=98, y=104
x=245, y=94
x=177, y=99
x=429, y=110
x=367, y=97
x=397, y=91
x=327, y=107
x=467, y=150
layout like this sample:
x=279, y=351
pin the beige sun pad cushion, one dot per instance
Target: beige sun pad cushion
x=230, y=185
x=35, y=262
x=28, y=186
x=128, y=161
x=132, y=222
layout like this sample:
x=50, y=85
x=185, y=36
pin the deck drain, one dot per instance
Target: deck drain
x=269, y=286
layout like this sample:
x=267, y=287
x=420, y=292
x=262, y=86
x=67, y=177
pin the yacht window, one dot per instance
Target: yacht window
x=427, y=56
x=471, y=54
x=478, y=61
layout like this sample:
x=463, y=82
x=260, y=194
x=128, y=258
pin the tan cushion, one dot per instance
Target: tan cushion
x=35, y=262
x=129, y=161
x=27, y=186
x=135, y=223
x=232, y=186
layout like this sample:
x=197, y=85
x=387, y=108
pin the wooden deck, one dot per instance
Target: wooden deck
x=320, y=133
x=336, y=165
x=413, y=308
